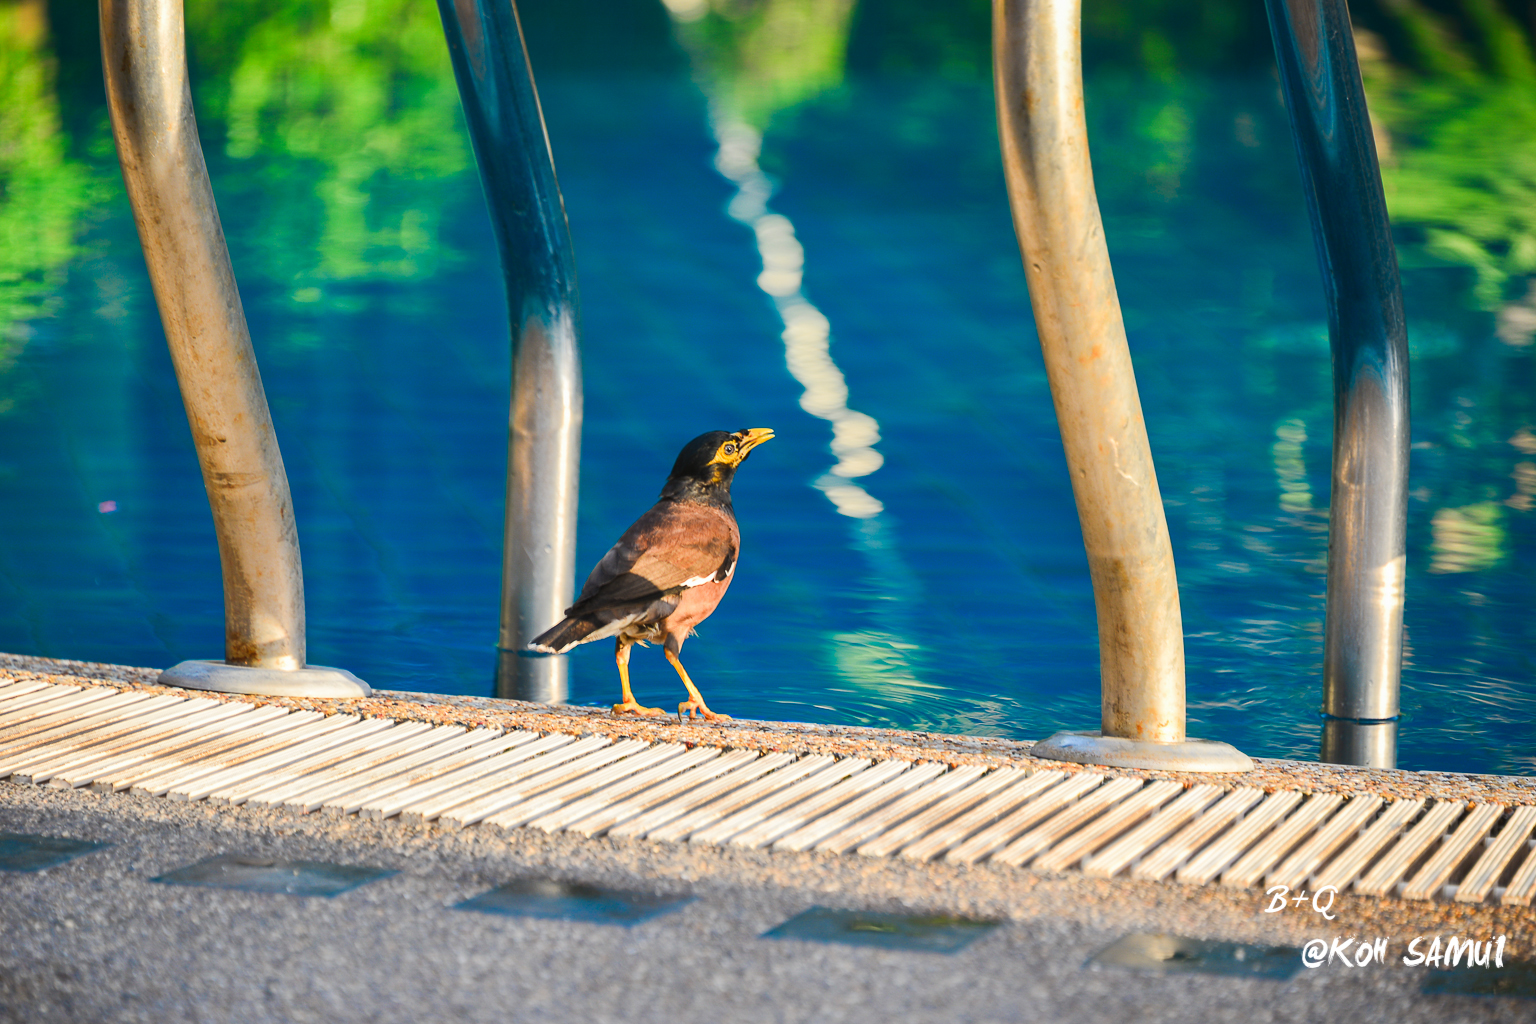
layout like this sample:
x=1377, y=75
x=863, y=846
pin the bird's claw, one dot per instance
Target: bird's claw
x=636, y=708
x=697, y=708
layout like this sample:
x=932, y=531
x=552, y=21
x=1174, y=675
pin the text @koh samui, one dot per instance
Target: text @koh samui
x=1349, y=951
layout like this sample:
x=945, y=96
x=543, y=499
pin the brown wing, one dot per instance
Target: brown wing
x=673, y=547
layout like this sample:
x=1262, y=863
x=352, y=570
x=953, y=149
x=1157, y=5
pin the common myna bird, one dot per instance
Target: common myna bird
x=669, y=570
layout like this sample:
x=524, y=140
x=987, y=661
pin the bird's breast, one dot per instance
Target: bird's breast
x=695, y=604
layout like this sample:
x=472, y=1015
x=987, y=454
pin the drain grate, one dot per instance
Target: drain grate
x=1517, y=979
x=195, y=748
x=572, y=901
x=270, y=875
x=1160, y=953
x=911, y=932
x=22, y=852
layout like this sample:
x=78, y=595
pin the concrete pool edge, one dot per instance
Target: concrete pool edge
x=801, y=738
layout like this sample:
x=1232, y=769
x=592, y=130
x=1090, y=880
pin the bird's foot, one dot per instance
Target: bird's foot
x=697, y=708
x=630, y=707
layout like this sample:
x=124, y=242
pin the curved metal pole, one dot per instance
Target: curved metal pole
x=1037, y=62
x=144, y=60
x=501, y=105
x=1367, y=520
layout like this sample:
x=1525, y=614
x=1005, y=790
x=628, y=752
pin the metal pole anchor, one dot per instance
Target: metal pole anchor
x=506, y=124
x=1368, y=510
x=1037, y=67
x=144, y=60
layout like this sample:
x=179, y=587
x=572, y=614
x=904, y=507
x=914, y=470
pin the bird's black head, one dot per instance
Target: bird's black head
x=706, y=465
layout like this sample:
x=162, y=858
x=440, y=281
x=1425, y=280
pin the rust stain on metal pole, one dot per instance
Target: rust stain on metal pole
x=144, y=61
x=1038, y=78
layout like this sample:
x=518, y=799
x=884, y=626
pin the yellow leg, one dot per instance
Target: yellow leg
x=695, y=704
x=629, y=707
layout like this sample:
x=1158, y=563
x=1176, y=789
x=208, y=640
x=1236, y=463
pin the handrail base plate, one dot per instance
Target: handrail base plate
x=1119, y=752
x=312, y=681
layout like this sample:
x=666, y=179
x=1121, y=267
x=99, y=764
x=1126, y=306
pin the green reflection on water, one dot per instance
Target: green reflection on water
x=1453, y=96
x=1468, y=539
x=42, y=191
x=338, y=116
x=338, y=122
x=758, y=57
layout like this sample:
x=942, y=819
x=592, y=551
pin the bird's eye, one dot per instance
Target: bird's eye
x=730, y=449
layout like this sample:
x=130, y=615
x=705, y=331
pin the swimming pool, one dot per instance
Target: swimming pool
x=950, y=592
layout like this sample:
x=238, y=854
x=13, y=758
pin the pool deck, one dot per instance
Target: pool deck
x=92, y=939
x=801, y=738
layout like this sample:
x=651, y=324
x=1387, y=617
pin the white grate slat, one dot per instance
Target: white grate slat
x=600, y=803
x=144, y=745
x=332, y=732
x=1346, y=867
x=293, y=727
x=946, y=811
x=405, y=738
x=476, y=786
x=824, y=826
x=1521, y=887
x=61, y=725
x=131, y=732
x=62, y=713
x=15, y=689
x=49, y=701
x=1043, y=801
x=1310, y=855
x=1485, y=873
x=1110, y=860
x=632, y=807
x=1171, y=855
x=33, y=761
x=1215, y=858
x=772, y=826
x=362, y=736
x=1251, y=866
x=701, y=806
x=1453, y=850
x=542, y=795
x=475, y=773
x=1059, y=826
x=180, y=750
x=446, y=755
x=1383, y=878
x=898, y=812
x=1098, y=832
x=499, y=791
x=780, y=797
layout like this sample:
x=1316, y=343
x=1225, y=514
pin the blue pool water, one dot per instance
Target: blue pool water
x=963, y=604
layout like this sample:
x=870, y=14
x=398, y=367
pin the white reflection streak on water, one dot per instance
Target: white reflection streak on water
x=877, y=659
x=807, y=332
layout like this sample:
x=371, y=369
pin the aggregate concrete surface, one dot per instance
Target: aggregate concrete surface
x=95, y=940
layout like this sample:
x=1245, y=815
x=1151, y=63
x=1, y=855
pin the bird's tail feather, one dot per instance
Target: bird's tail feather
x=564, y=635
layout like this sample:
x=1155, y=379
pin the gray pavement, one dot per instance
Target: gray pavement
x=96, y=940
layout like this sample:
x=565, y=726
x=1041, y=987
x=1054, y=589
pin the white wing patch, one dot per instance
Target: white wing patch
x=599, y=634
x=699, y=581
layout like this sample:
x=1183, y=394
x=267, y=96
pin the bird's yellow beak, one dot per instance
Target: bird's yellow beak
x=749, y=439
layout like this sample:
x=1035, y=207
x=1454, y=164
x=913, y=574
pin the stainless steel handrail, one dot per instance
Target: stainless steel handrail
x=144, y=60
x=1367, y=520
x=506, y=124
x=1037, y=62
